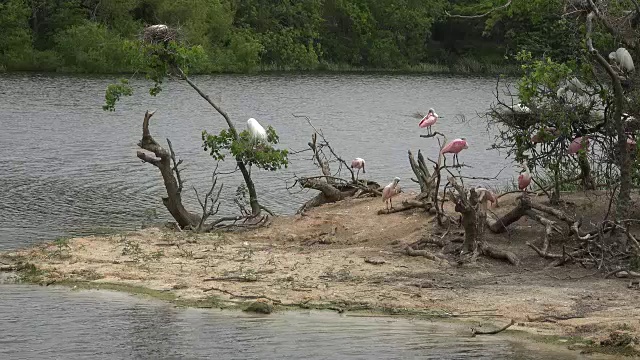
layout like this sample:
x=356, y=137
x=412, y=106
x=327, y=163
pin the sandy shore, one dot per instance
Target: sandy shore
x=346, y=258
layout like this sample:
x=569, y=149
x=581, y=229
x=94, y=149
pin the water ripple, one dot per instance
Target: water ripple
x=58, y=323
x=69, y=167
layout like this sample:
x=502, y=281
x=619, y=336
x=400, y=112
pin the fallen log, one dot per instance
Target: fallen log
x=407, y=205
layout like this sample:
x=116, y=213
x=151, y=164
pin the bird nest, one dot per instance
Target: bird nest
x=160, y=33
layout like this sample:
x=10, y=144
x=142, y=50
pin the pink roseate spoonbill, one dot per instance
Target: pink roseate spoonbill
x=390, y=191
x=429, y=120
x=358, y=163
x=544, y=135
x=578, y=144
x=454, y=147
x=488, y=196
x=525, y=178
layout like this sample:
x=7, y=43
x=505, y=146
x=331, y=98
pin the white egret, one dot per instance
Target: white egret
x=256, y=130
x=623, y=59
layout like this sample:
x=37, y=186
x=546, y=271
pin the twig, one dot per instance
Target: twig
x=326, y=143
x=475, y=331
x=433, y=134
x=480, y=15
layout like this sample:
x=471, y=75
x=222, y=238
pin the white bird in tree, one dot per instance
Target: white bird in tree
x=158, y=27
x=623, y=59
x=521, y=108
x=258, y=133
x=575, y=85
x=390, y=191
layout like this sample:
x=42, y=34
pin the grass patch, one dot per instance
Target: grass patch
x=30, y=274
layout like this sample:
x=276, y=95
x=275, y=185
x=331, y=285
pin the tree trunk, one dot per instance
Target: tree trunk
x=624, y=164
x=162, y=160
x=500, y=225
x=422, y=174
x=585, y=172
x=624, y=196
x=555, y=196
x=473, y=220
x=173, y=200
x=253, y=196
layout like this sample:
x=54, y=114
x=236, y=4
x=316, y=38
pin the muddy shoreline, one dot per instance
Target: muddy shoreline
x=340, y=258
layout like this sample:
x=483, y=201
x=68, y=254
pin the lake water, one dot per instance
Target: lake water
x=69, y=168
x=63, y=324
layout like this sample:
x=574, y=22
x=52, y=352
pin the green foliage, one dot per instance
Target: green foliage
x=114, y=92
x=246, y=149
x=542, y=77
x=92, y=47
x=161, y=59
x=15, y=41
x=157, y=61
x=164, y=57
x=241, y=54
x=231, y=35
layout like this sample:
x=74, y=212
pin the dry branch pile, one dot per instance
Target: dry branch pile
x=331, y=186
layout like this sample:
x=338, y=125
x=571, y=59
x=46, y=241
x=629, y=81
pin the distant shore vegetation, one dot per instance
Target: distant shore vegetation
x=242, y=36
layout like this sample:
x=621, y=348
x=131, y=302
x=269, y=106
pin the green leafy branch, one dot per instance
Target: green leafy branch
x=247, y=149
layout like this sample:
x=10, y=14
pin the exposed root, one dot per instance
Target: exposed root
x=500, y=254
x=424, y=253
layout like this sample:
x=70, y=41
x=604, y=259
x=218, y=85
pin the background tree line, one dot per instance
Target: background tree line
x=102, y=36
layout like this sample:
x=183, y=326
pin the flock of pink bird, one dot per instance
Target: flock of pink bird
x=457, y=145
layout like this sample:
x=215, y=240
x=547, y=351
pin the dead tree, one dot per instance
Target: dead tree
x=474, y=214
x=424, y=177
x=331, y=186
x=157, y=156
x=162, y=159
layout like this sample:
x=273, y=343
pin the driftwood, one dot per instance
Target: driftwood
x=429, y=182
x=331, y=187
x=500, y=225
x=423, y=177
x=475, y=331
x=423, y=253
x=407, y=205
x=497, y=253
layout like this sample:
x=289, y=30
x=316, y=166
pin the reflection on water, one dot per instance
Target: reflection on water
x=56, y=323
x=69, y=167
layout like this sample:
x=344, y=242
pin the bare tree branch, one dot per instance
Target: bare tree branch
x=480, y=15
